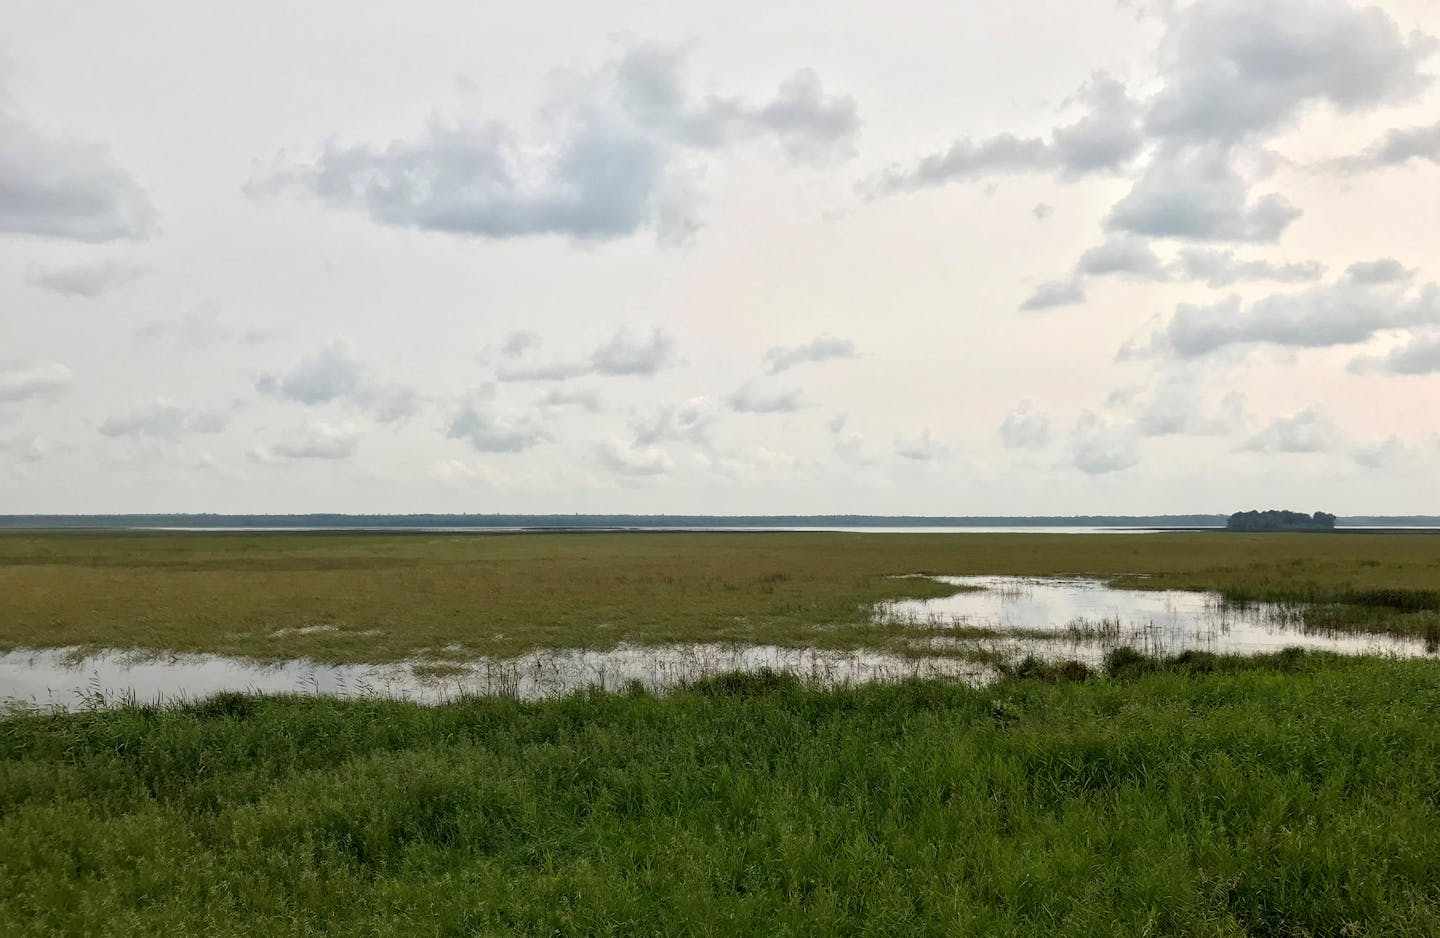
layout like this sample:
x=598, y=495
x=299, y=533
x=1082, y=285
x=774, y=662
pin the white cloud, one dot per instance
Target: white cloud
x=754, y=399
x=584, y=400
x=61, y=187
x=1218, y=268
x=491, y=432
x=21, y=381
x=687, y=421
x=1099, y=446
x=314, y=441
x=84, y=280
x=163, y=419
x=921, y=448
x=333, y=375
x=1056, y=293
x=608, y=160
x=1397, y=147
x=1419, y=355
x=1105, y=138
x=820, y=349
x=1344, y=312
x=1307, y=431
x=1025, y=427
x=632, y=460
x=1193, y=193
x=626, y=354
x=1238, y=68
x=518, y=343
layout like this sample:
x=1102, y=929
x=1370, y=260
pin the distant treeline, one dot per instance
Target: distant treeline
x=599, y=521
x=583, y=522
x=1275, y=520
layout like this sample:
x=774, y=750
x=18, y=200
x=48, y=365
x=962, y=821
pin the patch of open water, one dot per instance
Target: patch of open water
x=1049, y=617
x=58, y=679
x=1065, y=617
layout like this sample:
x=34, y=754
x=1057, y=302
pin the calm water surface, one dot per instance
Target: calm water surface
x=1055, y=618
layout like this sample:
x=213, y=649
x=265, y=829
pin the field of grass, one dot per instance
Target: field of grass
x=368, y=597
x=1293, y=795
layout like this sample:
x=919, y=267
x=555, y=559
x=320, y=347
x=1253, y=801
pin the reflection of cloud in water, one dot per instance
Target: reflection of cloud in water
x=1052, y=618
x=56, y=678
x=1082, y=618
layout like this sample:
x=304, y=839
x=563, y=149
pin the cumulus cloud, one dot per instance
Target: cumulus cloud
x=20, y=381
x=1344, y=312
x=1104, y=139
x=61, y=187
x=1025, y=427
x=1124, y=255
x=163, y=419
x=1194, y=193
x=1099, y=446
x=584, y=400
x=1383, y=270
x=820, y=349
x=624, y=354
x=1134, y=258
x=754, y=399
x=610, y=158
x=923, y=447
x=196, y=330
x=1239, y=68
x=1306, y=431
x=1419, y=355
x=84, y=280
x=1219, y=268
x=1398, y=146
x=632, y=460
x=688, y=421
x=458, y=470
x=314, y=441
x=518, y=343
x=491, y=432
x=546, y=371
x=1389, y=452
x=1177, y=403
x=1055, y=293
x=627, y=354
x=333, y=375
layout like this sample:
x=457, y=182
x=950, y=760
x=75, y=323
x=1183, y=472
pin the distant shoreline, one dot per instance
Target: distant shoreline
x=510, y=523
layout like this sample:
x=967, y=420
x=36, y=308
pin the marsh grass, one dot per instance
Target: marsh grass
x=382, y=598
x=1285, y=795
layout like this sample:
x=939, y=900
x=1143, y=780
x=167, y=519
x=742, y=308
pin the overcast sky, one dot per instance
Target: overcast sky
x=985, y=257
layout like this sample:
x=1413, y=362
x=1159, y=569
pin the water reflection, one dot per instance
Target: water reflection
x=56, y=678
x=1084, y=618
x=1009, y=617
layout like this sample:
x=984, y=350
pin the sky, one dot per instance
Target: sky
x=985, y=257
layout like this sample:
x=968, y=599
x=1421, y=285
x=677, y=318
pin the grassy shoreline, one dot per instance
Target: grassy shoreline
x=1290, y=794
x=362, y=598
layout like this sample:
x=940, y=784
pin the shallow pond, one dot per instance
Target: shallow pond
x=58, y=678
x=1083, y=618
x=1054, y=618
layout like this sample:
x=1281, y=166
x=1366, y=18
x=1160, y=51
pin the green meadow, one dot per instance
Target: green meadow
x=378, y=597
x=1288, y=795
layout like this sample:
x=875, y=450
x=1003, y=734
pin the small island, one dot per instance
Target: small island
x=1273, y=520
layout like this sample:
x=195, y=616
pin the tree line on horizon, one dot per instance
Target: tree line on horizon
x=1277, y=520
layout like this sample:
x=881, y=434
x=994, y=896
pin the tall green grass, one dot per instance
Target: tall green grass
x=1290, y=795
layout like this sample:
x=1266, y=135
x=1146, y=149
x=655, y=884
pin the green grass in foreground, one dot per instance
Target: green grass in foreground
x=1292, y=795
x=377, y=597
